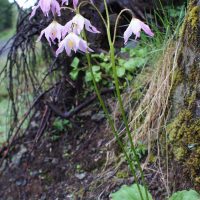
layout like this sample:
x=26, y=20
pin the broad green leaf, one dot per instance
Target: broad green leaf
x=75, y=63
x=130, y=65
x=106, y=59
x=97, y=76
x=129, y=77
x=88, y=76
x=106, y=66
x=95, y=68
x=74, y=74
x=121, y=61
x=185, y=195
x=130, y=193
x=133, y=63
x=142, y=52
x=120, y=71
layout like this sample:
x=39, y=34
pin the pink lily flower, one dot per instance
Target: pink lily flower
x=46, y=6
x=75, y=3
x=135, y=27
x=77, y=24
x=73, y=42
x=53, y=31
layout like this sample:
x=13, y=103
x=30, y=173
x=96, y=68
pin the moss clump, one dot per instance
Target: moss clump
x=191, y=25
x=191, y=99
x=193, y=17
x=184, y=136
x=178, y=78
x=194, y=162
x=180, y=152
x=122, y=174
x=152, y=158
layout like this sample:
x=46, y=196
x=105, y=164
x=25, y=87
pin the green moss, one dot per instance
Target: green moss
x=177, y=78
x=180, y=153
x=193, y=17
x=191, y=99
x=176, y=128
x=152, y=158
x=184, y=129
x=194, y=162
x=122, y=174
x=190, y=25
x=184, y=133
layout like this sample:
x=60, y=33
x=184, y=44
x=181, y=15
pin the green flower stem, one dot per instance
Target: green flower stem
x=110, y=121
x=67, y=8
x=112, y=55
x=117, y=21
x=83, y=3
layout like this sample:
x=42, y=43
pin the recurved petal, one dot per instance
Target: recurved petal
x=55, y=8
x=147, y=30
x=45, y=6
x=60, y=48
x=67, y=28
x=68, y=51
x=41, y=34
x=48, y=35
x=75, y=3
x=83, y=45
x=34, y=11
x=127, y=34
x=89, y=27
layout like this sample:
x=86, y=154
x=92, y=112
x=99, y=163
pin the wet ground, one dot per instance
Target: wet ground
x=79, y=162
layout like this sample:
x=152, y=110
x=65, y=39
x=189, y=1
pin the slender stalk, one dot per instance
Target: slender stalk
x=67, y=8
x=112, y=55
x=94, y=6
x=117, y=21
x=124, y=117
x=110, y=121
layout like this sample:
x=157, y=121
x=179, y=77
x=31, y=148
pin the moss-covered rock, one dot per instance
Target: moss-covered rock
x=184, y=127
x=184, y=137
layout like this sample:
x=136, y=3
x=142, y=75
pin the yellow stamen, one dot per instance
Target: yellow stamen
x=70, y=43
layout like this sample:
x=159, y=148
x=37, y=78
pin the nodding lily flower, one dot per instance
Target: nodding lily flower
x=75, y=2
x=53, y=31
x=73, y=42
x=46, y=6
x=135, y=27
x=77, y=24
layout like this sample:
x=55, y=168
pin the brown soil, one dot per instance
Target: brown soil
x=74, y=164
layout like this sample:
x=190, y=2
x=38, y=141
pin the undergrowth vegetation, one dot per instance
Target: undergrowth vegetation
x=118, y=69
x=135, y=56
